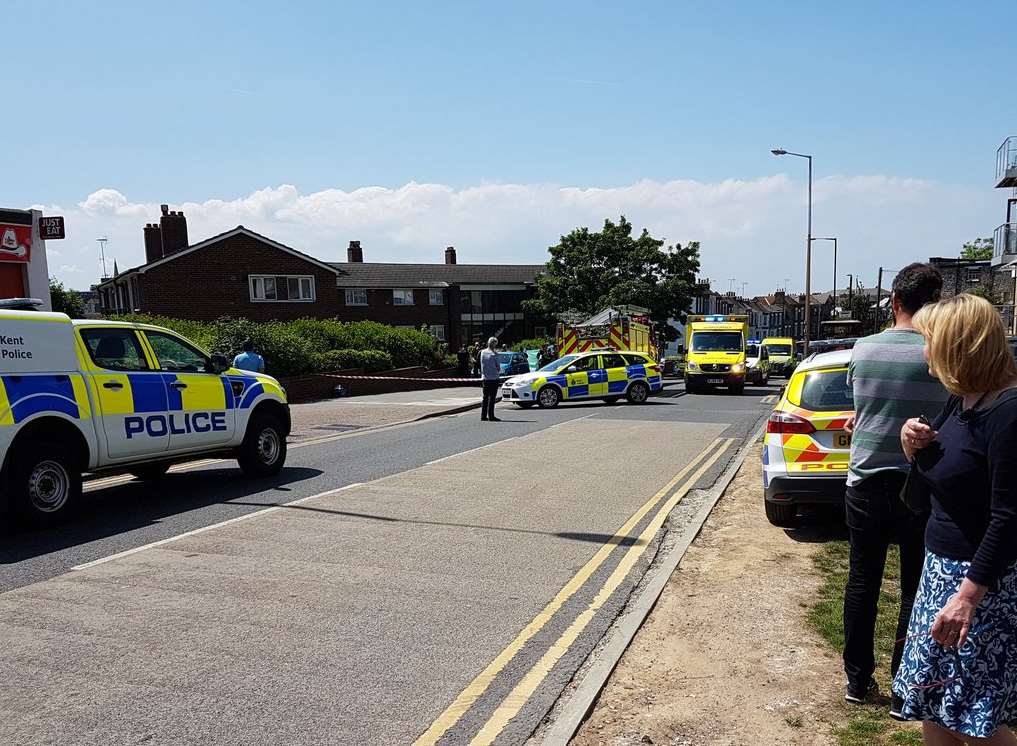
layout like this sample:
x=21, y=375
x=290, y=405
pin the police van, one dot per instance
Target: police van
x=108, y=396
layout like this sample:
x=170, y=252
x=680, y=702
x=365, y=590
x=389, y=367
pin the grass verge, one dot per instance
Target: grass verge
x=869, y=724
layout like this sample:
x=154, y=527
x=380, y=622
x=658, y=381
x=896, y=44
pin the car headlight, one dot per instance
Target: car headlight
x=690, y=365
x=738, y=368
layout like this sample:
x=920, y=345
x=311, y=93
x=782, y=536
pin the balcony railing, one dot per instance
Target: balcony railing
x=1004, y=244
x=1006, y=163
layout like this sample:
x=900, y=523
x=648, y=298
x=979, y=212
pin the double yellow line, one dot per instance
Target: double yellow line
x=526, y=687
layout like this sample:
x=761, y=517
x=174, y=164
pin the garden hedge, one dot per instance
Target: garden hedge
x=309, y=345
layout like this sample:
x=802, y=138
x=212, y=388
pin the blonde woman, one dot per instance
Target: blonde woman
x=959, y=672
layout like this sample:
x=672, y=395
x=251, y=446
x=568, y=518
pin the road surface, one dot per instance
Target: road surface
x=434, y=583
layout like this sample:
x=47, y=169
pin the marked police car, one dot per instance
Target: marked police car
x=597, y=374
x=806, y=449
x=107, y=396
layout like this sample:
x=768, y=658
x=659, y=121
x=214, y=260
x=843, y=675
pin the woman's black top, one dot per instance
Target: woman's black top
x=971, y=468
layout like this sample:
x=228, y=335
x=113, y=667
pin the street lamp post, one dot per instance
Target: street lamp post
x=808, y=247
x=834, y=266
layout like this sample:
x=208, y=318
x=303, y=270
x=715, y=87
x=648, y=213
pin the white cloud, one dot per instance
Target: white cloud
x=751, y=230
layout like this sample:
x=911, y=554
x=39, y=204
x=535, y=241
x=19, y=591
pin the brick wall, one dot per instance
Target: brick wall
x=380, y=308
x=213, y=282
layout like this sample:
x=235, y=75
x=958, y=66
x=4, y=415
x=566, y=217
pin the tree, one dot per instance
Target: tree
x=980, y=248
x=66, y=301
x=589, y=271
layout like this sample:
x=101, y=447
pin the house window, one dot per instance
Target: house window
x=436, y=297
x=540, y=332
x=356, y=297
x=402, y=297
x=974, y=275
x=282, y=288
x=437, y=331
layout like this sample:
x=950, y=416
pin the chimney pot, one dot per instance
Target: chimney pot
x=354, y=254
x=164, y=208
x=450, y=255
x=173, y=227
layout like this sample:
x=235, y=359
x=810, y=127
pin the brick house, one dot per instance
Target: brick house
x=241, y=273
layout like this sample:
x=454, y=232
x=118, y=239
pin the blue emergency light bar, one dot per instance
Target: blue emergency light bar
x=753, y=341
x=716, y=318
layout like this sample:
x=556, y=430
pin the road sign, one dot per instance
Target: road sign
x=51, y=228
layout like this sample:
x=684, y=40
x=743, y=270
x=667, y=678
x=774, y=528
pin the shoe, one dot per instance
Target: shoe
x=495, y=419
x=856, y=694
x=483, y=419
x=897, y=707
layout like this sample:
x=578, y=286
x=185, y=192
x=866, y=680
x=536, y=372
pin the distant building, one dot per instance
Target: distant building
x=242, y=273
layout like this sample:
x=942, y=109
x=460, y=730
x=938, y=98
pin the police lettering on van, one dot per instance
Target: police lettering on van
x=101, y=396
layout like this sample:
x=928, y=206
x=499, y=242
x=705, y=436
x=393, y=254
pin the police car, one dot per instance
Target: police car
x=806, y=449
x=596, y=374
x=106, y=396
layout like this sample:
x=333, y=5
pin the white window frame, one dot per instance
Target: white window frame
x=402, y=292
x=256, y=288
x=437, y=331
x=351, y=295
x=434, y=293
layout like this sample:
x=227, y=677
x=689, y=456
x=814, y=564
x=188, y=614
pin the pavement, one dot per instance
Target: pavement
x=432, y=582
x=345, y=414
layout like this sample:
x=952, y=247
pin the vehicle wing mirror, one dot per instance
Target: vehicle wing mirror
x=572, y=369
x=219, y=364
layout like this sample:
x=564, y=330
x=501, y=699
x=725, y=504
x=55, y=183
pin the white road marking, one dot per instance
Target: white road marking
x=203, y=529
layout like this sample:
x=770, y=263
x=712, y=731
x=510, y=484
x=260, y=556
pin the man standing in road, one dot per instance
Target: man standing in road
x=891, y=383
x=490, y=372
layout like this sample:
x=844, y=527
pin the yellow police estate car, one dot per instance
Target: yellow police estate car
x=105, y=396
x=596, y=374
x=806, y=449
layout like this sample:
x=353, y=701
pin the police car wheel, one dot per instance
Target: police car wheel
x=548, y=397
x=263, y=451
x=638, y=393
x=150, y=472
x=46, y=484
x=782, y=516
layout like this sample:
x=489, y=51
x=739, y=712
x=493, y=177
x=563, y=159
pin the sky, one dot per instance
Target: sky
x=496, y=128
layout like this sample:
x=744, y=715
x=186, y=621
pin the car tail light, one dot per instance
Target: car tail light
x=785, y=423
x=653, y=369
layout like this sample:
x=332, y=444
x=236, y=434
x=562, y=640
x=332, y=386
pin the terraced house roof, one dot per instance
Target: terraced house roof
x=399, y=275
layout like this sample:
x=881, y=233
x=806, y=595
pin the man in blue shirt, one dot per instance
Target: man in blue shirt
x=249, y=359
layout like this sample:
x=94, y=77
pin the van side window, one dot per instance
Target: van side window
x=174, y=355
x=114, y=349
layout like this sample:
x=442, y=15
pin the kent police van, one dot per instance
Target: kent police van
x=108, y=396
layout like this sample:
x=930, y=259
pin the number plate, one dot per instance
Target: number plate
x=715, y=380
x=842, y=440
x=506, y=393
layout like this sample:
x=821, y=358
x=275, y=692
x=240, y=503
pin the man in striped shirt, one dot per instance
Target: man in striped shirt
x=891, y=383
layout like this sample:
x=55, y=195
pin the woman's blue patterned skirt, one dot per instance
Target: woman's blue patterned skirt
x=972, y=690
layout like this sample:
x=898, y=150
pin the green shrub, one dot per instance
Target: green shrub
x=370, y=360
x=532, y=344
x=308, y=345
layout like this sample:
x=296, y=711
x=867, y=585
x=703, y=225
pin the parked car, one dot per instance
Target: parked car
x=806, y=449
x=513, y=363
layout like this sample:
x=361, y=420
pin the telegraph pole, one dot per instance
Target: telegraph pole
x=879, y=293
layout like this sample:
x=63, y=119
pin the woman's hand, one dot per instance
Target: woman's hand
x=914, y=436
x=952, y=623
x=849, y=425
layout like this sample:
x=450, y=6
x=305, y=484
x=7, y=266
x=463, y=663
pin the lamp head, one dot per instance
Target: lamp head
x=779, y=151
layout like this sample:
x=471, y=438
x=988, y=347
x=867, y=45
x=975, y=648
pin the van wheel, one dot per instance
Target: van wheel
x=45, y=483
x=548, y=397
x=150, y=472
x=638, y=393
x=263, y=452
x=781, y=516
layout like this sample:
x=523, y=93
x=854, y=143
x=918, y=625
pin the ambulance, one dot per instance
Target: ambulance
x=113, y=397
x=715, y=352
x=782, y=355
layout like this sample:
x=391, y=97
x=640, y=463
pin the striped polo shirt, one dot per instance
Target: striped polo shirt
x=891, y=384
